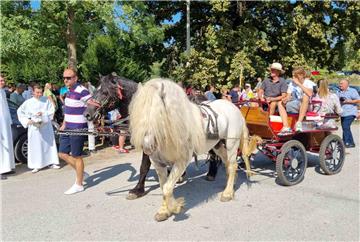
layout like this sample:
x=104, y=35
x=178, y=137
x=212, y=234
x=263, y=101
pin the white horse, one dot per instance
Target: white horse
x=170, y=128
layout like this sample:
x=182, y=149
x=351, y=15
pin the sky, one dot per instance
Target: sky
x=35, y=4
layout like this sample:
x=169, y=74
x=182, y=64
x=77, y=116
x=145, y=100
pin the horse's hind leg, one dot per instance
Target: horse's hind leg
x=228, y=155
x=138, y=190
x=213, y=167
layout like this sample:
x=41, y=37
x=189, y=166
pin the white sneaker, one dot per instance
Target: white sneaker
x=74, y=189
x=85, y=176
x=285, y=131
x=298, y=127
x=35, y=170
x=54, y=166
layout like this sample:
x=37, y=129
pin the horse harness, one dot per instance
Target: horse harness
x=212, y=130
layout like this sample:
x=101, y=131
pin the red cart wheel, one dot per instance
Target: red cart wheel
x=332, y=154
x=291, y=163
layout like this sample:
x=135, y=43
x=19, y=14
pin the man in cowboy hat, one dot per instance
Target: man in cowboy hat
x=273, y=90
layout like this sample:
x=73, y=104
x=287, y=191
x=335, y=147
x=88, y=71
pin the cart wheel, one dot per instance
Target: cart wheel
x=291, y=163
x=332, y=154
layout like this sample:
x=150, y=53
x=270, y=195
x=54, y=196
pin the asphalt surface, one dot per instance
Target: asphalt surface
x=319, y=208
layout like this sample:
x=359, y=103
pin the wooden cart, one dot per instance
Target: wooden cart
x=289, y=152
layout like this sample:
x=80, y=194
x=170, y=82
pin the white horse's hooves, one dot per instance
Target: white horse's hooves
x=181, y=180
x=225, y=198
x=180, y=203
x=159, y=217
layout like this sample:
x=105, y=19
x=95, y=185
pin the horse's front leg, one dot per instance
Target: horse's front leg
x=138, y=190
x=163, y=213
x=173, y=206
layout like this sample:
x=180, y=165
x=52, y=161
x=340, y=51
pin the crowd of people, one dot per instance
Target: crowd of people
x=35, y=107
x=293, y=96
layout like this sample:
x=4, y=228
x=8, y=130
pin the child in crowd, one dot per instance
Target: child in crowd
x=299, y=92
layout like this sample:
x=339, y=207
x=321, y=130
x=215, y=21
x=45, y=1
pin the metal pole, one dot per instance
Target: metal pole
x=241, y=75
x=188, y=27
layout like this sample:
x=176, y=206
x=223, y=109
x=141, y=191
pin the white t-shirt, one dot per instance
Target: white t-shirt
x=296, y=91
x=114, y=114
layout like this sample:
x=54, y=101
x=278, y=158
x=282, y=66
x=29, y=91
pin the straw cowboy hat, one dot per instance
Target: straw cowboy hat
x=276, y=66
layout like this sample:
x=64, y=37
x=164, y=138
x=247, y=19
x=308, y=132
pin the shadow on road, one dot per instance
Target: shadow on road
x=108, y=173
x=196, y=190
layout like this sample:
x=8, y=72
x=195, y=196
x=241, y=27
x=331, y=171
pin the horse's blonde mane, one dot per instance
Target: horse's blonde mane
x=161, y=108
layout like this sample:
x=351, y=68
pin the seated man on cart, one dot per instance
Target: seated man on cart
x=274, y=90
x=299, y=92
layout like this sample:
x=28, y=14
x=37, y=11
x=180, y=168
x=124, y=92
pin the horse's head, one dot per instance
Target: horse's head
x=105, y=98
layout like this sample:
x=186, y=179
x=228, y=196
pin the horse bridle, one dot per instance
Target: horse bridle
x=109, y=100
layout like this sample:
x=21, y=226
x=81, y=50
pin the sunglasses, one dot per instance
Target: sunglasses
x=68, y=77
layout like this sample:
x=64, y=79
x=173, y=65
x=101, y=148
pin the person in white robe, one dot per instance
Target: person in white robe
x=7, y=160
x=35, y=114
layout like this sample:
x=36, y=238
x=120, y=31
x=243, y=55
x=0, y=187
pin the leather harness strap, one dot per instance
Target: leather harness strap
x=211, y=114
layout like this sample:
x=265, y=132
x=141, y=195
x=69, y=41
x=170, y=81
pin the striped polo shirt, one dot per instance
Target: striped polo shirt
x=75, y=105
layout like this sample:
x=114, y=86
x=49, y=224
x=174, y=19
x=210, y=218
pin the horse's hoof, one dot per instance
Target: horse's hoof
x=134, y=195
x=159, y=217
x=251, y=173
x=210, y=178
x=224, y=198
x=181, y=180
x=180, y=203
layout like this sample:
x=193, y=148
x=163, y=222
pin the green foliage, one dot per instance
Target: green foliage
x=243, y=38
x=232, y=41
x=23, y=55
x=34, y=43
x=104, y=57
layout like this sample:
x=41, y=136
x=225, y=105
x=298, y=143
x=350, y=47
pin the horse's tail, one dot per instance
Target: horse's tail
x=161, y=109
x=247, y=146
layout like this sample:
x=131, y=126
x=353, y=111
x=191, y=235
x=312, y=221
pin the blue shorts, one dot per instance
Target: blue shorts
x=72, y=144
x=293, y=106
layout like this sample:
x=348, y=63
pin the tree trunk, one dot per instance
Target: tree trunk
x=71, y=39
x=240, y=7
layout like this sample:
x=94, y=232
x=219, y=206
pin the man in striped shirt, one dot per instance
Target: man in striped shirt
x=71, y=147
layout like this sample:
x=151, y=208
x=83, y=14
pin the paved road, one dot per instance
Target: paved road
x=320, y=208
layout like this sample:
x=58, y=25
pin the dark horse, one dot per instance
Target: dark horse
x=115, y=92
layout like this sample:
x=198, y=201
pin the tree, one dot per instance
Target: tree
x=230, y=38
x=73, y=22
x=130, y=45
